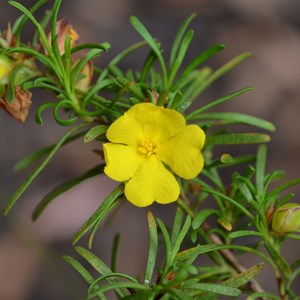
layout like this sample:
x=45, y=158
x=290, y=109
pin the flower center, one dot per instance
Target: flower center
x=148, y=147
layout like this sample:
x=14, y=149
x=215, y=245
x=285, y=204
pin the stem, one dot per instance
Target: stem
x=228, y=255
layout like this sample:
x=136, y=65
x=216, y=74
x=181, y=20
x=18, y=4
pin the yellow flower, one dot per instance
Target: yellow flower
x=147, y=145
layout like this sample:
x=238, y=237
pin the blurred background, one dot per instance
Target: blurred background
x=31, y=267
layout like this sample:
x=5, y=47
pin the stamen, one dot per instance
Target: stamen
x=148, y=147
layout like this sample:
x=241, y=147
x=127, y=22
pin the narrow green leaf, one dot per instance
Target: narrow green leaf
x=105, y=207
x=79, y=268
x=184, y=255
x=94, y=132
x=103, y=46
x=28, y=160
x=131, y=86
x=100, y=267
x=167, y=240
x=214, y=288
x=141, y=29
x=36, y=24
x=63, y=187
x=202, y=57
x=180, y=56
x=152, y=249
x=236, y=117
x=280, y=261
x=18, y=26
x=237, y=139
x=185, y=228
x=217, y=102
x=176, y=225
x=284, y=186
x=149, y=295
x=118, y=286
x=38, y=170
x=115, y=252
x=201, y=216
x=11, y=85
x=260, y=170
x=93, y=53
x=237, y=280
x=179, y=295
x=263, y=295
x=230, y=200
x=244, y=277
x=179, y=36
x=223, y=70
x=242, y=233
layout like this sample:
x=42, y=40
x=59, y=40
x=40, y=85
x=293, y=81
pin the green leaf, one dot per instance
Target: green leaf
x=79, y=268
x=93, y=53
x=132, y=87
x=244, y=277
x=38, y=170
x=141, y=29
x=176, y=225
x=36, y=24
x=242, y=233
x=237, y=280
x=115, y=252
x=63, y=187
x=217, y=102
x=237, y=118
x=167, y=240
x=94, y=132
x=105, y=207
x=192, y=252
x=178, y=38
x=19, y=25
x=28, y=160
x=180, y=238
x=11, y=85
x=152, y=249
x=263, y=295
x=214, y=288
x=230, y=200
x=117, y=286
x=103, y=46
x=260, y=171
x=223, y=70
x=180, y=56
x=201, y=216
x=237, y=139
x=202, y=57
x=100, y=267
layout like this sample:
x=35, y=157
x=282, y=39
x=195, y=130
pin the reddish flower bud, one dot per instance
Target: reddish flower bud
x=20, y=106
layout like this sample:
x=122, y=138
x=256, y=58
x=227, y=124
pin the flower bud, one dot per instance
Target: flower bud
x=286, y=218
x=86, y=75
x=64, y=28
x=20, y=106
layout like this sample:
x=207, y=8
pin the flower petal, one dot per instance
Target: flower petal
x=159, y=123
x=152, y=182
x=182, y=152
x=145, y=121
x=121, y=161
x=125, y=130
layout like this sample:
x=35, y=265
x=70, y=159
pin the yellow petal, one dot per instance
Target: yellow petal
x=182, y=152
x=145, y=121
x=125, y=130
x=152, y=182
x=159, y=123
x=121, y=161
